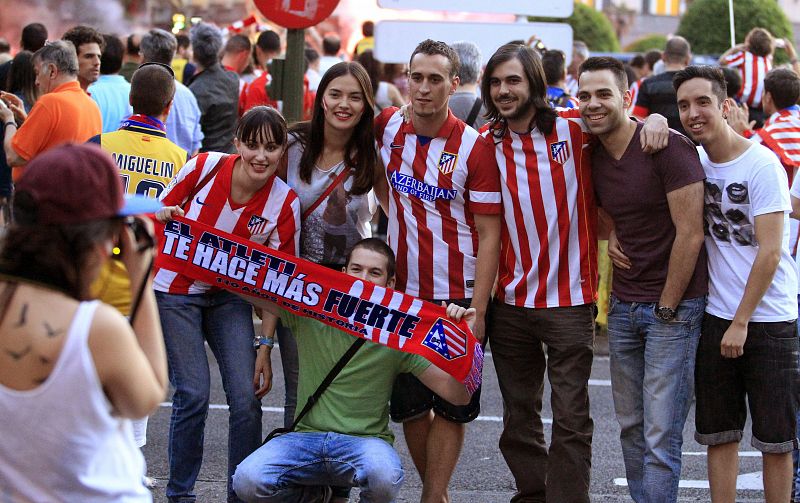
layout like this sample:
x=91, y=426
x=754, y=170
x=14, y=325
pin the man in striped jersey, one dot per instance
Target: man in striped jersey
x=547, y=280
x=753, y=60
x=443, y=204
x=781, y=131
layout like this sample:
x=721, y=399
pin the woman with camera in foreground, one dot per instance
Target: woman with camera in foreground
x=72, y=371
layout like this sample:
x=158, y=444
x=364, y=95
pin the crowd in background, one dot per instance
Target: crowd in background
x=511, y=245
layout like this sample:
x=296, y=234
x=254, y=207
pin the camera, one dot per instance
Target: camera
x=142, y=237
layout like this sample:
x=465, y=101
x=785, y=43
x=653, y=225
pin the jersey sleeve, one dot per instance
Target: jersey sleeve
x=678, y=165
x=734, y=60
x=380, y=122
x=483, y=180
x=184, y=181
x=286, y=237
x=31, y=138
x=768, y=185
x=642, y=106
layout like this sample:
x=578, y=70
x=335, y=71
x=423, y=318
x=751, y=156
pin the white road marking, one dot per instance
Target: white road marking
x=219, y=406
x=744, y=482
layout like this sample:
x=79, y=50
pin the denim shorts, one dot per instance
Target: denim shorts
x=411, y=399
x=765, y=376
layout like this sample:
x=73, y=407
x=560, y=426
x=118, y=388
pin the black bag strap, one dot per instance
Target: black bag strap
x=314, y=398
x=473, y=113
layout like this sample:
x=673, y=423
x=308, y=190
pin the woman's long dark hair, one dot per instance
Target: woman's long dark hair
x=54, y=255
x=544, y=117
x=359, y=152
x=373, y=67
x=22, y=78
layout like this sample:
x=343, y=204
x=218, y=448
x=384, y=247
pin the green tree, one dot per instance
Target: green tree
x=706, y=24
x=590, y=26
x=646, y=43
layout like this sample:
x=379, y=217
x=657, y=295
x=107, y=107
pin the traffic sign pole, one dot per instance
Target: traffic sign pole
x=293, y=75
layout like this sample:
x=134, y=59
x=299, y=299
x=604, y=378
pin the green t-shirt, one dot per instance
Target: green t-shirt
x=357, y=401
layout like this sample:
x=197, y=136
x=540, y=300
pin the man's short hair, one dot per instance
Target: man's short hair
x=733, y=80
x=652, y=57
x=759, y=42
x=238, y=43
x=638, y=61
x=469, y=58
x=784, y=86
x=152, y=88
x=33, y=37
x=677, y=50
x=269, y=42
x=111, y=58
x=60, y=53
x=711, y=73
x=183, y=40
x=130, y=45
x=331, y=45
x=378, y=246
x=437, y=47
x=81, y=35
x=368, y=28
x=554, y=63
x=4, y=45
x=311, y=55
x=158, y=46
x=207, y=42
x=617, y=69
x=580, y=49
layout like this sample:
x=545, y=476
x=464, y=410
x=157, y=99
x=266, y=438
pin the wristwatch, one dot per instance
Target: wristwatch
x=665, y=313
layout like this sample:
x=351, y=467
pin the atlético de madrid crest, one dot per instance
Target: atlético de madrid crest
x=559, y=152
x=447, y=162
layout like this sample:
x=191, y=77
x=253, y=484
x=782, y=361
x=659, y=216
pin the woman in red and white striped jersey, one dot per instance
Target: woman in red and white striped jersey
x=240, y=194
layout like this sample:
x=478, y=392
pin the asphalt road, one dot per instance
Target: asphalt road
x=481, y=474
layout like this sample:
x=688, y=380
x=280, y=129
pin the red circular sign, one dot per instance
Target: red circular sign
x=296, y=13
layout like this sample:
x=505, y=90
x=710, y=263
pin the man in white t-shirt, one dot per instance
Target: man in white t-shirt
x=749, y=345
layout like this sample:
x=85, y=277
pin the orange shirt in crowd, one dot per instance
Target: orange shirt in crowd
x=66, y=114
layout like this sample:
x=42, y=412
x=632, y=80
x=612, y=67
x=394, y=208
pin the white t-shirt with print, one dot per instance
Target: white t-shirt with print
x=736, y=192
x=339, y=222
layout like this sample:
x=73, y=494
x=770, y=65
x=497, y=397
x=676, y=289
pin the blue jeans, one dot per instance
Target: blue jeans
x=225, y=321
x=652, y=379
x=298, y=466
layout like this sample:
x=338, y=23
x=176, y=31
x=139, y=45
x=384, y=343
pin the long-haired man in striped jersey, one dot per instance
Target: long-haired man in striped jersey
x=547, y=283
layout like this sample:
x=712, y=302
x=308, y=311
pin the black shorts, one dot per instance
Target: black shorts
x=765, y=376
x=411, y=399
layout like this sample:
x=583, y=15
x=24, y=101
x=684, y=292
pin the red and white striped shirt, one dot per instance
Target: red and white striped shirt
x=781, y=134
x=635, y=93
x=548, y=241
x=753, y=69
x=435, y=188
x=271, y=216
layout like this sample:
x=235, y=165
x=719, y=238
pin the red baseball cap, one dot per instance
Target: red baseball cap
x=74, y=184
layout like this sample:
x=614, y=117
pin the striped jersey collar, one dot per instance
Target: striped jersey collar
x=444, y=131
x=144, y=124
